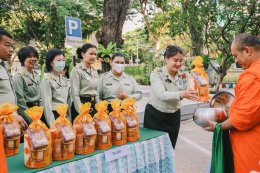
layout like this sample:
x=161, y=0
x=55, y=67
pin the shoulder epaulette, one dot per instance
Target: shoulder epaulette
x=77, y=66
x=157, y=69
x=47, y=76
x=21, y=72
x=103, y=74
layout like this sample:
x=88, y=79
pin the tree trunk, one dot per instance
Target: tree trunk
x=195, y=27
x=219, y=82
x=220, y=78
x=196, y=40
x=114, y=16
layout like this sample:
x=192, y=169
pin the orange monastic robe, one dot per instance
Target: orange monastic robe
x=3, y=166
x=245, y=117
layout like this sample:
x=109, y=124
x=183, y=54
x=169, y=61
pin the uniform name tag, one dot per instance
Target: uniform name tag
x=87, y=77
x=108, y=84
x=116, y=153
x=30, y=84
x=127, y=84
x=182, y=84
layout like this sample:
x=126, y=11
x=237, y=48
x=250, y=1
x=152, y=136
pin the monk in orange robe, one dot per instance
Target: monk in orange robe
x=244, y=114
x=3, y=167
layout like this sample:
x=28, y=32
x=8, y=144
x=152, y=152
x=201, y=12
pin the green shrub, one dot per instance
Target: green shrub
x=135, y=70
x=231, y=77
x=142, y=80
x=139, y=73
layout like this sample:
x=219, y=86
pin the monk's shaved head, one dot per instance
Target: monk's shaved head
x=246, y=39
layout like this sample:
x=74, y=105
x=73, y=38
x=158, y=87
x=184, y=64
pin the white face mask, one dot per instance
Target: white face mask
x=59, y=65
x=119, y=68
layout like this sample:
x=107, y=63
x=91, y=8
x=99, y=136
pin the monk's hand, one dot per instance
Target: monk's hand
x=122, y=94
x=211, y=126
x=21, y=121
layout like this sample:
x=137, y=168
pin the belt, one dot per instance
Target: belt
x=87, y=99
x=31, y=104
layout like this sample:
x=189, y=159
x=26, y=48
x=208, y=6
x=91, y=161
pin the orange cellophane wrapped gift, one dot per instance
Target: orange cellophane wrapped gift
x=37, y=141
x=118, y=123
x=86, y=133
x=131, y=119
x=103, y=126
x=201, y=79
x=63, y=135
x=11, y=128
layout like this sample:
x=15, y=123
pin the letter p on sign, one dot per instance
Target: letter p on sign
x=73, y=25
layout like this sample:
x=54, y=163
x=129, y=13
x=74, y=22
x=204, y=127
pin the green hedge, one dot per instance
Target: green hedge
x=139, y=73
x=231, y=77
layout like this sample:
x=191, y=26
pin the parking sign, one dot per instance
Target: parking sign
x=73, y=31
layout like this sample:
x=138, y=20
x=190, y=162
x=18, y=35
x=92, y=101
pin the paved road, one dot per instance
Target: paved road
x=193, y=148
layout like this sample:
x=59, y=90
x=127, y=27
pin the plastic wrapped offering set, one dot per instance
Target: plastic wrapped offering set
x=62, y=140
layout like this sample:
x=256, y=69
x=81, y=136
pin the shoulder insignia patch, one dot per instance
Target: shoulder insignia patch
x=21, y=72
x=157, y=69
x=103, y=74
x=77, y=66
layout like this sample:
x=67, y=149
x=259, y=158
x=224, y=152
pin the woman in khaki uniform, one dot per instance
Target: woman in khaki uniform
x=27, y=81
x=116, y=84
x=83, y=80
x=169, y=86
x=54, y=86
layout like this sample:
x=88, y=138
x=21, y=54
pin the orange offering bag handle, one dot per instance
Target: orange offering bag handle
x=40, y=157
x=116, y=113
x=6, y=112
x=35, y=113
x=129, y=107
x=84, y=116
x=102, y=113
x=118, y=123
x=11, y=129
x=62, y=111
x=63, y=135
x=84, y=126
x=103, y=126
x=133, y=132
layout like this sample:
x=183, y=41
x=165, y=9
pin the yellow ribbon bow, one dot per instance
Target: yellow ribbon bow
x=84, y=115
x=129, y=106
x=35, y=113
x=116, y=106
x=6, y=112
x=101, y=107
x=62, y=110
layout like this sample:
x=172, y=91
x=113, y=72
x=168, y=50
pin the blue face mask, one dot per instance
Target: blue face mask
x=59, y=65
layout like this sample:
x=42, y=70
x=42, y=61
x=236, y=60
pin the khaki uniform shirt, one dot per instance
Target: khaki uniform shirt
x=54, y=91
x=27, y=89
x=7, y=93
x=108, y=86
x=165, y=94
x=83, y=84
